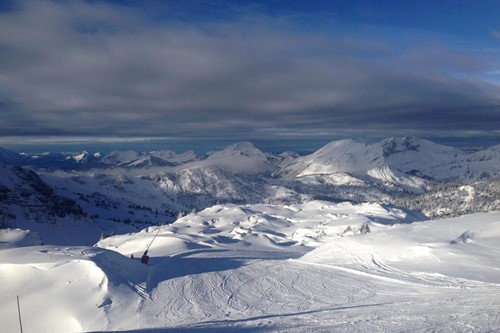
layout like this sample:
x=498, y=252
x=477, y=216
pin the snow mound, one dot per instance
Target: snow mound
x=303, y=267
x=260, y=226
x=415, y=253
x=68, y=289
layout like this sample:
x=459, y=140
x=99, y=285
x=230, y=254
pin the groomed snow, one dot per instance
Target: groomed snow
x=266, y=268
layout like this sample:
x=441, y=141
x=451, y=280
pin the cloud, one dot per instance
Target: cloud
x=96, y=69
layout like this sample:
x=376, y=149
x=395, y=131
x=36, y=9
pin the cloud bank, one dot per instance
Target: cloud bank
x=75, y=68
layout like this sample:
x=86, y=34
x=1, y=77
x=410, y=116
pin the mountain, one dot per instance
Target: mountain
x=9, y=157
x=62, y=161
x=120, y=157
x=344, y=156
x=175, y=158
x=242, y=157
x=424, y=158
x=401, y=162
x=484, y=164
x=25, y=196
x=429, y=160
x=146, y=161
x=242, y=240
x=347, y=162
x=131, y=159
x=137, y=189
x=406, y=162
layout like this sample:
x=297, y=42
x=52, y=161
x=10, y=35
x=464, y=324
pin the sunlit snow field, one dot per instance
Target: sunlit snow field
x=264, y=268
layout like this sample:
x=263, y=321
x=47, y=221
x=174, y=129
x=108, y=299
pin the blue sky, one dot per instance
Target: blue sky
x=249, y=70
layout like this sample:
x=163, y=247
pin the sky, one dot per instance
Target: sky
x=289, y=71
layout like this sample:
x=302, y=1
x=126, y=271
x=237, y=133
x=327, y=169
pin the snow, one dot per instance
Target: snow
x=118, y=157
x=241, y=157
x=409, y=154
x=347, y=162
x=172, y=157
x=298, y=265
x=272, y=268
x=406, y=163
x=339, y=156
x=426, y=158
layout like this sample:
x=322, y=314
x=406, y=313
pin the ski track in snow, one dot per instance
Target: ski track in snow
x=203, y=276
x=255, y=287
x=260, y=290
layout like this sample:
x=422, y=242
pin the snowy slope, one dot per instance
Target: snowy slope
x=405, y=162
x=28, y=202
x=424, y=158
x=348, y=162
x=430, y=160
x=484, y=164
x=241, y=157
x=162, y=158
x=296, y=268
x=23, y=192
x=9, y=156
x=68, y=289
x=175, y=158
x=118, y=157
x=344, y=156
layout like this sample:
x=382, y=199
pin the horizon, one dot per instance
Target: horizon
x=204, y=146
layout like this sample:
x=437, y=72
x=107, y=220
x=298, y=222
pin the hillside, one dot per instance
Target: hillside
x=130, y=190
x=299, y=268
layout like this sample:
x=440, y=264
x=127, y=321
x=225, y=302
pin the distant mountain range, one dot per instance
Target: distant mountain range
x=392, y=160
x=398, y=160
x=127, y=190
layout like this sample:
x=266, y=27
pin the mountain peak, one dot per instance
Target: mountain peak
x=239, y=157
x=9, y=156
x=244, y=148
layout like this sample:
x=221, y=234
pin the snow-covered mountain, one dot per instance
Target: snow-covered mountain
x=242, y=240
x=405, y=162
x=484, y=164
x=423, y=158
x=9, y=157
x=395, y=161
x=242, y=157
x=24, y=193
x=429, y=160
x=140, y=189
x=347, y=162
x=132, y=159
x=344, y=156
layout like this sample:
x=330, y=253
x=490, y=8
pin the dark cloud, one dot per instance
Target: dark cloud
x=96, y=69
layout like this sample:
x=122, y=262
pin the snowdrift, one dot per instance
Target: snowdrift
x=316, y=266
